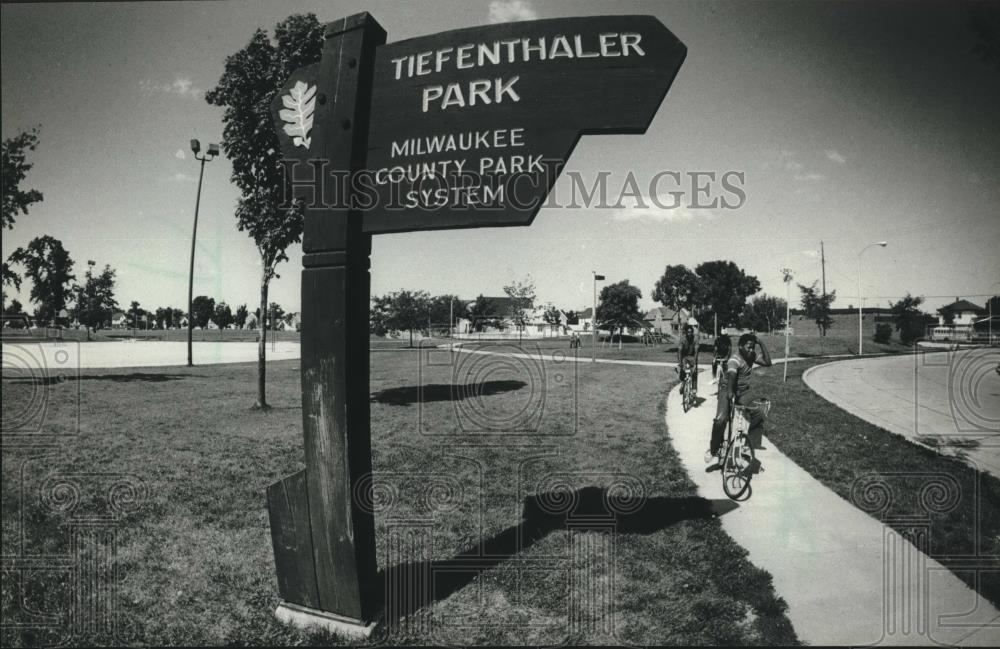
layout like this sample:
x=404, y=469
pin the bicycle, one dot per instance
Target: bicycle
x=688, y=393
x=739, y=462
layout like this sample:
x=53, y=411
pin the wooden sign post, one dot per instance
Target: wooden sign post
x=461, y=129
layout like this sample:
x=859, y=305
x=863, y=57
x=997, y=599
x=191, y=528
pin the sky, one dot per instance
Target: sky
x=852, y=122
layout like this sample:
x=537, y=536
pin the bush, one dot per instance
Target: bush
x=883, y=332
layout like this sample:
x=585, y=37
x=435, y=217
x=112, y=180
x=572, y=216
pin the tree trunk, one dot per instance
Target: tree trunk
x=261, y=346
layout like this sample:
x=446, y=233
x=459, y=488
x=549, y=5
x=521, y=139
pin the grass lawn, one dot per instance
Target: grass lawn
x=907, y=486
x=547, y=502
x=834, y=343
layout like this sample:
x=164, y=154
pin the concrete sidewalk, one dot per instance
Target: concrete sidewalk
x=847, y=578
x=948, y=401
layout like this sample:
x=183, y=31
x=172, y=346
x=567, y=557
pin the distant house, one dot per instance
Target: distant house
x=956, y=320
x=495, y=318
x=960, y=313
x=582, y=322
x=666, y=320
x=119, y=320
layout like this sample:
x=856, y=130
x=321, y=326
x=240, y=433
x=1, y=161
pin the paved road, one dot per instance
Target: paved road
x=949, y=401
x=847, y=578
x=65, y=357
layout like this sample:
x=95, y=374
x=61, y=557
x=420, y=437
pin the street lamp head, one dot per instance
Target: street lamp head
x=195, y=146
x=213, y=149
x=883, y=243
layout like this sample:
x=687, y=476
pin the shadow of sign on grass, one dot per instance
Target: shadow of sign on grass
x=410, y=394
x=409, y=587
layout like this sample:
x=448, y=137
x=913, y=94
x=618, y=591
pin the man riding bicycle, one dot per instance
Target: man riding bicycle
x=735, y=387
x=687, y=354
x=723, y=347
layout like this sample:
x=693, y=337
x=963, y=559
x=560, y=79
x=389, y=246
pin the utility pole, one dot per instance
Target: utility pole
x=822, y=262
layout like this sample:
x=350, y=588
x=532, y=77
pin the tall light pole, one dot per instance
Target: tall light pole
x=593, y=320
x=861, y=299
x=787, y=272
x=211, y=154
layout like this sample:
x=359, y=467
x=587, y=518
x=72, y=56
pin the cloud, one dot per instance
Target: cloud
x=509, y=11
x=835, y=157
x=181, y=177
x=809, y=177
x=181, y=86
x=812, y=254
x=649, y=211
x=180, y=155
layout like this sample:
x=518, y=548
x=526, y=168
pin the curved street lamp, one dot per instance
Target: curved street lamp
x=861, y=300
x=211, y=154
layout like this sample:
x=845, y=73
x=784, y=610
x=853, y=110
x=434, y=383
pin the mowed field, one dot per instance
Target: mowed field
x=835, y=343
x=544, y=499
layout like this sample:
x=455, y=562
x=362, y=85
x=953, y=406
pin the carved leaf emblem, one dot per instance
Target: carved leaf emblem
x=300, y=103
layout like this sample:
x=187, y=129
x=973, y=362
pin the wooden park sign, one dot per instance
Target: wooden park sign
x=467, y=128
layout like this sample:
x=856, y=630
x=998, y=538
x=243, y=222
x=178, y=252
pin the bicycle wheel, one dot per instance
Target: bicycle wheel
x=738, y=466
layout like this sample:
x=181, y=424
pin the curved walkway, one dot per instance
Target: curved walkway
x=847, y=578
x=949, y=401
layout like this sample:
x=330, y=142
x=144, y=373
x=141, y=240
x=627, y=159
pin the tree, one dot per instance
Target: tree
x=444, y=307
x=678, y=288
x=162, y=317
x=522, y=298
x=202, y=310
x=176, y=317
x=223, y=316
x=16, y=200
x=95, y=299
x=725, y=289
x=379, y=314
x=252, y=78
x=483, y=312
x=15, y=168
x=15, y=308
x=274, y=315
x=572, y=317
x=883, y=333
x=908, y=318
x=49, y=267
x=552, y=315
x=240, y=318
x=135, y=313
x=619, y=307
x=408, y=311
x=763, y=312
x=817, y=306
